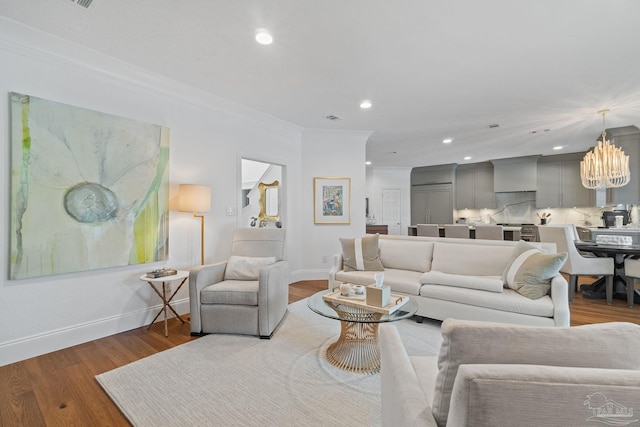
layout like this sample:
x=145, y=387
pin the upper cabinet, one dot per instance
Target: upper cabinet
x=627, y=138
x=474, y=186
x=559, y=184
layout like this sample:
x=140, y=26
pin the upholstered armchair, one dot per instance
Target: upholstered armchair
x=247, y=294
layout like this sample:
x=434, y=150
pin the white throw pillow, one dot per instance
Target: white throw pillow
x=246, y=267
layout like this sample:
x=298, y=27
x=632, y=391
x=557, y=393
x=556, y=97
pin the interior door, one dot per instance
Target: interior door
x=391, y=211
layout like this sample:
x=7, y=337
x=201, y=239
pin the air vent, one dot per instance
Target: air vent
x=332, y=118
x=82, y=3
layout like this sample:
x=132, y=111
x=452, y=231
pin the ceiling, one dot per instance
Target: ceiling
x=434, y=69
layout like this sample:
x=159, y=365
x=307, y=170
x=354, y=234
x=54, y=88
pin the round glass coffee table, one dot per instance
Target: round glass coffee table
x=356, y=349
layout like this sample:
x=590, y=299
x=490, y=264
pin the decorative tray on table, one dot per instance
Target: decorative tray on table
x=358, y=301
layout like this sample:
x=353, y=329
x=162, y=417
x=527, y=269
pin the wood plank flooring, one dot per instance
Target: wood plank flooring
x=59, y=388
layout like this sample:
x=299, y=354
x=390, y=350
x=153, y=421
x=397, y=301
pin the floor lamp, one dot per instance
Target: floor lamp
x=195, y=198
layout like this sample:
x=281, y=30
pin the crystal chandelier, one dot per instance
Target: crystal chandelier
x=606, y=166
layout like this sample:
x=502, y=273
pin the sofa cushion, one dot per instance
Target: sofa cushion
x=406, y=255
x=361, y=254
x=469, y=259
x=400, y=280
x=533, y=278
x=509, y=300
x=484, y=283
x=589, y=346
x=245, y=267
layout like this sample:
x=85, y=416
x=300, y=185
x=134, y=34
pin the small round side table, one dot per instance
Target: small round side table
x=181, y=276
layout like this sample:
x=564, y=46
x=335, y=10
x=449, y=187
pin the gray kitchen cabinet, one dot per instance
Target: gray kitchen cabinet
x=559, y=184
x=431, y=204
x=627, y=138
x=474, y=186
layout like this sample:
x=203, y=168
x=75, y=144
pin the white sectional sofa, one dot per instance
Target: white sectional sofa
x=460, y=278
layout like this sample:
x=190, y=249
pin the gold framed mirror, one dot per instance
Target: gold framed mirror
x=269, y=201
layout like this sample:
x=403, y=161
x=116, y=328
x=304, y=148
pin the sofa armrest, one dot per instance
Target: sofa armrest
x=335, y=268
x=496, y=395
x=403, y=401
x=560, y=297
x=273, y=296
x=199, y=278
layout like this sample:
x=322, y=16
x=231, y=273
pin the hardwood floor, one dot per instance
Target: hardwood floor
x=59, y=389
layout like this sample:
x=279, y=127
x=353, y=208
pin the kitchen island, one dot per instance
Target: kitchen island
x=510, y=232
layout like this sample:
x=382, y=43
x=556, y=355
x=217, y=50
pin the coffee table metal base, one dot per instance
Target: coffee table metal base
x=356, y=349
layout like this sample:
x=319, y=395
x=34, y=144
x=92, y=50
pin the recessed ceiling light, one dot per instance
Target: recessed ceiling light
x=467, y=157
x=558, y=147
x=447, y=141
x=367, y=163
x=263, y=36
x=365, y=104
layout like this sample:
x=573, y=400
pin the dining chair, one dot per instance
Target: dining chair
x=631, y=272
x=564, y=236
x=429, y=230
x=489, y=232
x=460, y=231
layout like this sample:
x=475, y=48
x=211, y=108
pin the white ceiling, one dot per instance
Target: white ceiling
x=433, y=68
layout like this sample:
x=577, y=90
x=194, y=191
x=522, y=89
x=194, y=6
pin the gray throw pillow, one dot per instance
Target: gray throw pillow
x=520, y=248
x=361, y=254
x=533, y=277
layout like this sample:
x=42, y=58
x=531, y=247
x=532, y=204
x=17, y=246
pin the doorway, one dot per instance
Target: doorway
x=261, y=194
x=391, y=209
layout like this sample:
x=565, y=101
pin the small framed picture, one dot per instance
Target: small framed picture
x=332, y=200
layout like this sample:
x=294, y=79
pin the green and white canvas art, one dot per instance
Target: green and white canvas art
x=89, y=190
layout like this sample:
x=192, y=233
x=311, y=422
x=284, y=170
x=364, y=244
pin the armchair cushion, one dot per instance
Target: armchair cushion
x=466, y=342
x=236, y=292
x=245, y=267
x=361, y=254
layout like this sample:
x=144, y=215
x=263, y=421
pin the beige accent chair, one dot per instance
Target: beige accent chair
x=250, y=302
x=489, y=232
x=460, y=231
x=495, y=374
x=632, y=272
x=564, y=236
x=428, y=230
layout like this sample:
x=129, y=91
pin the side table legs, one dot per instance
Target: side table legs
x=166, y=303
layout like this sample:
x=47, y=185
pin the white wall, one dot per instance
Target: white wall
x=330, y=154
x=379, y=179
x=209, y=136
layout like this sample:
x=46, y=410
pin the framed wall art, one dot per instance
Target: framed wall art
x=89, y=190
x=332, y=200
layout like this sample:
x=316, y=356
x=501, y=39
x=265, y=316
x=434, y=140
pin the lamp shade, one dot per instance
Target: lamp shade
x=194, y=198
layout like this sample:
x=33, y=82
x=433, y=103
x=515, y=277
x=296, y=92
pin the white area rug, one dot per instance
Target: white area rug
x=230, y=380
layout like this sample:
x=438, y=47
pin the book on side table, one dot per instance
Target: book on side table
x=161, y=273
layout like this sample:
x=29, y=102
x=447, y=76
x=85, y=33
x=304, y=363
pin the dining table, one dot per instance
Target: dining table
x=619, y=253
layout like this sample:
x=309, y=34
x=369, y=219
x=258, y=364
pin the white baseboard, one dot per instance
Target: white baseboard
x=36, y=345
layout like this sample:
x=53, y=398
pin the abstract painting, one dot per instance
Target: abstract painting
x=89, y=190
x=332, y=200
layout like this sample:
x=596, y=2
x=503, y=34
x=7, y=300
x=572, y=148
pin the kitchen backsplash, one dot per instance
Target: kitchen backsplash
x=520, y=208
